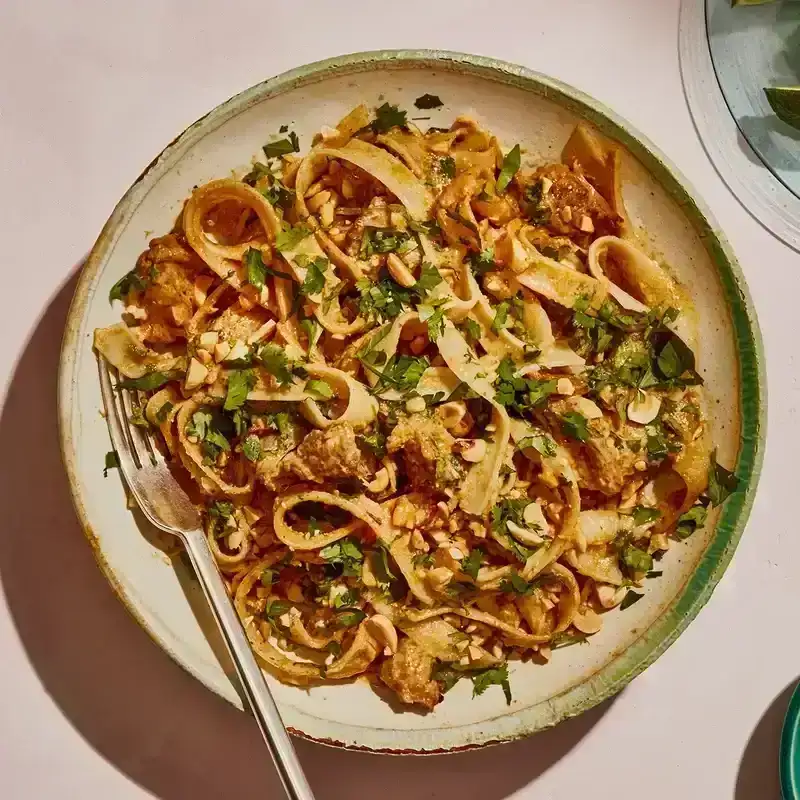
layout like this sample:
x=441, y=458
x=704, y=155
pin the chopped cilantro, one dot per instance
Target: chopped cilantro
x=429, y=278
x=511, y=164
x=290, y=237
x=345, y=554
x=427, y=101
x=447, y=166
x=278, y=195
x=520, y=394
x=138, y=418
x=516, y=584
x=472, y=330
x=630, y=598
x=575, y=426
x=495, y=676
x=388, y=117
x=126, y=284
x=282, y=147
x=721, y=483
x=276, y=609
x=383, y=300
x=381, y=240
x=636, y=560
x=252, y=448
x=511, y=511
x=149, y=381
x=401, y=372
x=240, y=382
x=642, y=515
x=689, y=522
x=111, y=462
x=540, y=442
x=257, y=270
x=267, y=578
x=258, y=171
x=482, y=262
x=472, y=563
x=434, y=316
x=375, y=442
x=163, y=413
x=314, y=281
x=500, y=321
x=273, y=358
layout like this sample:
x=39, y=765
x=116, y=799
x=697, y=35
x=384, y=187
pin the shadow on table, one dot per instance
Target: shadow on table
x=130, y=702
x=758, y=776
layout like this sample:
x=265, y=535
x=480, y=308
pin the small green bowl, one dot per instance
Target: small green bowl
x=790, y=749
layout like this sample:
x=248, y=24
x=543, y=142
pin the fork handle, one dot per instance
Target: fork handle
x=250, y=675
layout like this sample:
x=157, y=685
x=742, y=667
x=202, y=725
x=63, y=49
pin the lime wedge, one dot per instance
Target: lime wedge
x=735, y=3
x=785, y=102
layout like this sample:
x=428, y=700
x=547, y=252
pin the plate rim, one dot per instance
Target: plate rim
x=640, y=654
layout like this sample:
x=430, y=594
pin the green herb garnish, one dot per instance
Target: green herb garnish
x=511, y=164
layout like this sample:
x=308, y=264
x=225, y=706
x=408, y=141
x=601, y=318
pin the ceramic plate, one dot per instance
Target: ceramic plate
x=519, y=106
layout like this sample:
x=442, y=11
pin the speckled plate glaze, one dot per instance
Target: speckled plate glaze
x=520, y=106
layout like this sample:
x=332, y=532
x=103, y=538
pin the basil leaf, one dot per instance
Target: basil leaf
x=689, y=522
x=511, y=164
x=349, y=617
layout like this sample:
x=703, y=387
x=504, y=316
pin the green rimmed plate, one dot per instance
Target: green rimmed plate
x=520, y=106
x=790, y=750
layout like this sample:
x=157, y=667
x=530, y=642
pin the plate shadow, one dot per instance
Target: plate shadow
x=129, y=701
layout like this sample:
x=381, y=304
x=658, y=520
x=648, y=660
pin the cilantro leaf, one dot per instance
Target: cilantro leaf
x=511, y=164
x=383, y=300
x=278, y=195
x=345, y=554
x=273, y=358
x=446, y=676
x=629, y=599
x=349, y=617
x=447, y=166
x=429, y=278
x=721, y=483
x=511, y=511
x=388, y=117
x=258, y=171
x=252, y=448
x=636, y=560
x=375, y=442
x=149, y=381
x=482, y=262
x=314, y=281
x=642, y=515
x=500, y=321
x=290, y=237
x=111, y=462
x=434, y=316
x=257, y=270
x=689, y=522
x=401, y=372
x=276, y=609
x=381, y=240
x=282, y=147
x=125, y=284
x=575, y=426
x=472, y=563
x=516, y=584
x=163, y=413
x=472, y=330
x=427, y=101
x=495, y=676
x=240, y=382
x=540, y=442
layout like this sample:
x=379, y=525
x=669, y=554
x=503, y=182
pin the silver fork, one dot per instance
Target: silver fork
x=168, y=507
